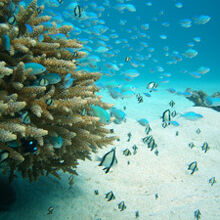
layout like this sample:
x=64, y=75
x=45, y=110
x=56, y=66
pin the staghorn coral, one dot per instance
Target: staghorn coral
x=35, y=114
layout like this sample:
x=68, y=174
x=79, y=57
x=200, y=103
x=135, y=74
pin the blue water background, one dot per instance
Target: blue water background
x=178, y=37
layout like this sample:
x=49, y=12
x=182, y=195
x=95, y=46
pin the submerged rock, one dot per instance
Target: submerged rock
x=200, y=98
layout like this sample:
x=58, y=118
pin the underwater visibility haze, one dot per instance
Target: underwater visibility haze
x=109, y=109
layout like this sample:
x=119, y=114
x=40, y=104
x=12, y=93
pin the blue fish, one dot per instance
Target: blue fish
x=147, y=94
x=41, y=38
x=174, y=123
x=101, y=113
x=36, y=68
x=57, y=36
x=118, y=114
x=68, y=84
x=57, y=142
x=212, y=101
x=191, y=116
x=29, y=28
x=6, y=42
x=143, y=122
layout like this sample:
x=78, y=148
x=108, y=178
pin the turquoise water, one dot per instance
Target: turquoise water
x=177, y=36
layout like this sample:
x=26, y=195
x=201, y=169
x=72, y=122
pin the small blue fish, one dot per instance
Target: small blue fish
x=57, y=142
x=57, y=36
x=174, y=123
x=68, y=84
x=36, y=68
x=191, y=116
x=41, y=38
x=13, y=144
x=118, y=114
x=212, y=101
x=171, y=90
x=127, y=94
x=6, y=43
x=29, y=28
x=147, y=94
x=101, y=113
x=186, y=94
x=143, y=122
x=67, y=77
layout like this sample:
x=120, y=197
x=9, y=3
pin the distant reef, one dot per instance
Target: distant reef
x=46, y=119
x=199, y=98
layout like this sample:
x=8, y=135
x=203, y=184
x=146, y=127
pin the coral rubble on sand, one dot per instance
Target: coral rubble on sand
x=42, y=127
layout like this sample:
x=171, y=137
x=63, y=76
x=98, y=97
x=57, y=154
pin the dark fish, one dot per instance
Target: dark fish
x=166, y=116
x=171, y=103
x=50, y=210
x=122, y=206
x=127, y=152
x=152, y=144
x=25, y=118
x=164, y=124
x=147, y=139
x=78, y=11
x=29, y=145
x=129, y=136
x=140, y=99
x=205, y=147
x=173, y=114
x=75, y=53
x=49, y=102
x=212, y=181
x=136, y=214
x=156, y=152
x=198, y=131
x=197, y=214
x=96, y=192
x=127, y=59
x=193, y=167
x=151, y=86
x=147, y=129
x=191, y=145
x=109, y=196
x=12, y=20
x=112, y=130
x=156, y=196
x=108, y=160
x=135, y=149
x=43, y=82
x=39, y=10
x=177, y=133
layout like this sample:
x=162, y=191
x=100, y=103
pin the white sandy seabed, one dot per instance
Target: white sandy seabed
x=179, y=193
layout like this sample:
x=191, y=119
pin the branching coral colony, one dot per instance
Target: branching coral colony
x=45, y=104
